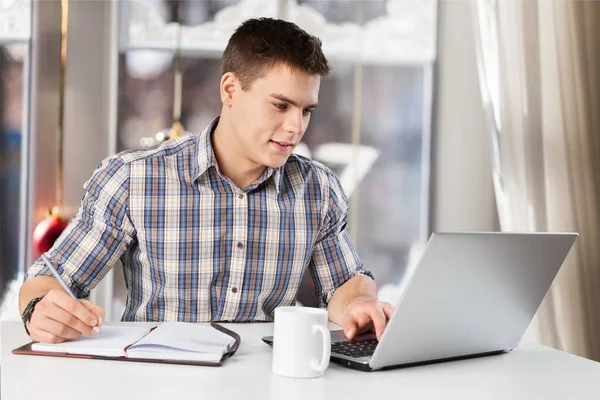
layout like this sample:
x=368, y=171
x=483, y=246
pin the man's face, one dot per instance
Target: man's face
x=271, y=116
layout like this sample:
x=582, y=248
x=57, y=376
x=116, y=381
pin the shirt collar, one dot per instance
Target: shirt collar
x=206, y=159
x=274, y=173
x=277, y=176
x=205, y=154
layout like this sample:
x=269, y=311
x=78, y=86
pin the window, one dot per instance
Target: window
x=372, y=126
x=15, y=33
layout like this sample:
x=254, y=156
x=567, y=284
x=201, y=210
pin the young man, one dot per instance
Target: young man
x=220, y=226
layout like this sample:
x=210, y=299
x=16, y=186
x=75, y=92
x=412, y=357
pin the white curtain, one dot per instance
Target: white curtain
x=539, y=67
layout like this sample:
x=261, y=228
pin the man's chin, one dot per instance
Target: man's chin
x=276, y=162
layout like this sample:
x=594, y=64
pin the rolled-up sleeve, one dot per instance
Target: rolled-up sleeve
x=334, y=260
x=98, y=235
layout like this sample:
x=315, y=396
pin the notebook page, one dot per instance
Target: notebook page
x=110, y=342
x=184, y=337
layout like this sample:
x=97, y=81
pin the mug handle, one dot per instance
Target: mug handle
x=326, y=349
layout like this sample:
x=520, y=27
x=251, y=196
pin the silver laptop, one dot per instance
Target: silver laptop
x=471, y=294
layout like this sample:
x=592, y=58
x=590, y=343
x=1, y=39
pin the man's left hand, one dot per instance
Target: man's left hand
x=366, y=315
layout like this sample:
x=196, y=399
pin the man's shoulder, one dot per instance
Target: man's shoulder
x=170, y=148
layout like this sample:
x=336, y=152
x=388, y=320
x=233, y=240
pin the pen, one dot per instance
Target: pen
x=62, y=283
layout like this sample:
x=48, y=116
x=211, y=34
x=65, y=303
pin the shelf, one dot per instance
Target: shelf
x=6, y=40
x=215, y=51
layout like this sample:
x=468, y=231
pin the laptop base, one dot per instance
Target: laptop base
x=360, y=366
x=365, y=367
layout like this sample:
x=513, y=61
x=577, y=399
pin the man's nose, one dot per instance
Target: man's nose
x=294, y=122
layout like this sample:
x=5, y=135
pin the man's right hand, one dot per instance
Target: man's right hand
x=58, y=317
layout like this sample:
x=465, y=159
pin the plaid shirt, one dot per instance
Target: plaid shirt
x=197, y=248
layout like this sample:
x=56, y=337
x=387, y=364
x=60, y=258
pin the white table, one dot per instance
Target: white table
x=529, y=372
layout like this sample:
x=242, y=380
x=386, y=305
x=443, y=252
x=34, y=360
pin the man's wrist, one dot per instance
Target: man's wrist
x=359, y=299
x=28, y=312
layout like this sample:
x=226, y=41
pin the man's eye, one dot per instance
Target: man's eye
x=281, y=106
x=307, y=112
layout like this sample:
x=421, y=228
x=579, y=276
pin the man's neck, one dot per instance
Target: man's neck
x=230, y=159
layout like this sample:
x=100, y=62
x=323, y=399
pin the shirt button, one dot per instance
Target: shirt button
x=234, y=290
x=240, y=245
x=241, y=196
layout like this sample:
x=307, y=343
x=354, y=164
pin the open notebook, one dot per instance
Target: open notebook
x=170, y=342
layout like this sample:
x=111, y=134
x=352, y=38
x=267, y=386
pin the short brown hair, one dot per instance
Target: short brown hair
x=265, y=42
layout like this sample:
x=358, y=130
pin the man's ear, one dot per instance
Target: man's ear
x=229, y=85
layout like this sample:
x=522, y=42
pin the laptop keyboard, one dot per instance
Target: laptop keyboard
x=355, y=349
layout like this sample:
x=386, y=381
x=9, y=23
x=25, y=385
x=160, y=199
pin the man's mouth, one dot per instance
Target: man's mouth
x=283, y=144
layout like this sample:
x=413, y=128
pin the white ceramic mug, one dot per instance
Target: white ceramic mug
x=301, y=342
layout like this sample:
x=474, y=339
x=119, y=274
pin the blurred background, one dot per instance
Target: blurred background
x=438, y=116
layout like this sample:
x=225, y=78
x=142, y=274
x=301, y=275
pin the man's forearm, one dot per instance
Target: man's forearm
x=359, y=287
x=36, y=287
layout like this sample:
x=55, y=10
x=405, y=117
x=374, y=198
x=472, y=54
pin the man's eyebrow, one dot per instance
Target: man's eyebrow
x=290, y=101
